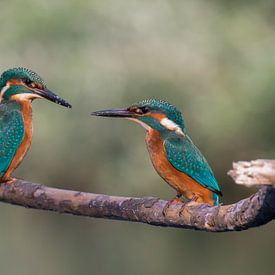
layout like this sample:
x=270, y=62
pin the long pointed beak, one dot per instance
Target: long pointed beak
x=124, y=113
x=52, y=97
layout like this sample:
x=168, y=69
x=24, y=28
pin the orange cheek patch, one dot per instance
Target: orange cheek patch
x=38, y=86
x=157, y=116
x=15, y=82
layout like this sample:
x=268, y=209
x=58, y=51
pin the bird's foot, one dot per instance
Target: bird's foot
x=169, y=203
x=10, y=181
x=192, y=202
x=182, y=208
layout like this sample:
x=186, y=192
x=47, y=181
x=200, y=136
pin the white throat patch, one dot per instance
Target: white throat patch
x=144, y=125
x=172, y=126
x=4, y=89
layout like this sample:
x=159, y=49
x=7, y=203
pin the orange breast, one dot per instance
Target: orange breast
x=181, y=182
x=25, y=145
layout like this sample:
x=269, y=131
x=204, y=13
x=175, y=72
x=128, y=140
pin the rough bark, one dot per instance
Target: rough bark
x=256, y=210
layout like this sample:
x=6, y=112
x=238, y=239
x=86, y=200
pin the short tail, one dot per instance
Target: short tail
x=216, y=199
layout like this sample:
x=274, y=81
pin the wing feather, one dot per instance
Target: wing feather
x=11, y=134
x=186, y=157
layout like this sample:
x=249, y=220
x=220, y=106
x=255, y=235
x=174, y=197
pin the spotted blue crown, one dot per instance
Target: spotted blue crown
x=20, y=73
x=161, y=106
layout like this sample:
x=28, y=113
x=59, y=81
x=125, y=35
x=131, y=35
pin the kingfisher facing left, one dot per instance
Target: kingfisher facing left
x=173, y=154
x=18, y=88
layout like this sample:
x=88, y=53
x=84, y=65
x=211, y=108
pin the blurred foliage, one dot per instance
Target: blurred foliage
x=213, y=59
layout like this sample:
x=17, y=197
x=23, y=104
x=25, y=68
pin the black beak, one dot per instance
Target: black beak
x=114, y=113
x=52, y=97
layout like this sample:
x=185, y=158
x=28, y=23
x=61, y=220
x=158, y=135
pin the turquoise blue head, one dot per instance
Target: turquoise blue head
x=151, y=114
x=22, y=84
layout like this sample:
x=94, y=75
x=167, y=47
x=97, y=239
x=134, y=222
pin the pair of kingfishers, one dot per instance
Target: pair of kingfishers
x=173, y=154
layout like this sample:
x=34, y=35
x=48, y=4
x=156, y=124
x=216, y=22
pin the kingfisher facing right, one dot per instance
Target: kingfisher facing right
x=18, y=88
x=173, y=154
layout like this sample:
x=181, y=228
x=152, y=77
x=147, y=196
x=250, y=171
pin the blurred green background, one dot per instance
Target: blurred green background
x=213, y=59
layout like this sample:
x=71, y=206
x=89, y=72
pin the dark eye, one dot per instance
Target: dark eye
x=145, y=109
x=142, y=110
x=139, y=110
x=28, y=81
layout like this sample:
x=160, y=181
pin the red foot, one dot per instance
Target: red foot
x=192, y=202
x=10, y=181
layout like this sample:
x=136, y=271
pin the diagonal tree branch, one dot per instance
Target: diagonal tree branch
x=254, y=173
x=254, y=211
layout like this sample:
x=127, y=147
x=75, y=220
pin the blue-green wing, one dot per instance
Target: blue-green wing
x=186, y=157
x=11, y=134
